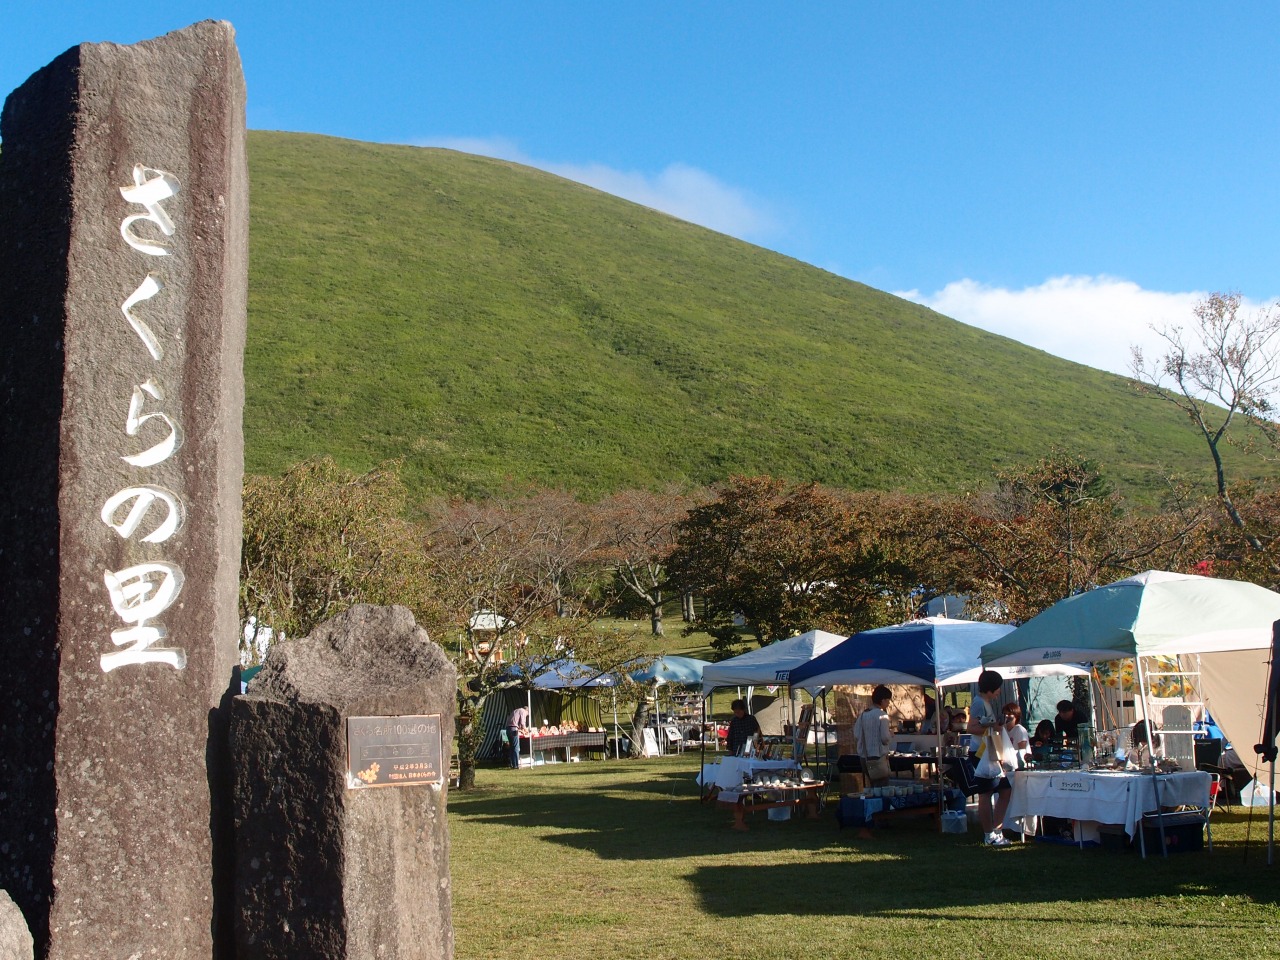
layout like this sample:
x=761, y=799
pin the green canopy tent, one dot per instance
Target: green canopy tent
x=1151, y=614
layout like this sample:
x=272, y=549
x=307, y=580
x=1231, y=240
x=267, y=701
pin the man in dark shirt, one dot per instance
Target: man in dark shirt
x=1067, y=723
x=742, y=728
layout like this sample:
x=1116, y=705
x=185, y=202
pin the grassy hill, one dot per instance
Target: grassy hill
x=491, y=323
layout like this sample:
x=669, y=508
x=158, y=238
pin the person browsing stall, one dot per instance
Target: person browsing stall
x=743, y=728
x=871, y=737
x=1044, y=740
x=517, y=723
x=983, y=722
x=930, y=722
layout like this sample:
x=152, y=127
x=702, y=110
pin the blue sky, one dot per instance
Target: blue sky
x=1063, y=174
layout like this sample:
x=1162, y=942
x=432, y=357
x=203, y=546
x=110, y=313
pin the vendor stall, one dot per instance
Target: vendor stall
x=749, y=784
x=1150, y=615
x=933, y=651
x=1093, y=798
x=672, y=671
x=573, y=745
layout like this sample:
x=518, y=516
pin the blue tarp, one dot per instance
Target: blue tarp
x=935, y=650
x=682, y=671
x=570, y=674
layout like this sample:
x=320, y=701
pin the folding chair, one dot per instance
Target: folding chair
x=1215, y=785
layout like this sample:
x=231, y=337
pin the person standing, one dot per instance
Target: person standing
x=985, y=721
x=871, y=737
x=517, y=723
x=1018, y=735
x=743, y=728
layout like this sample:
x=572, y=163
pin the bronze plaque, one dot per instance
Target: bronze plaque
x=394, y=751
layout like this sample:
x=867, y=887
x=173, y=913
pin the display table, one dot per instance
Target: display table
x=731, y=772
x=755, y=798
x=1093, y=797
x=563, y=741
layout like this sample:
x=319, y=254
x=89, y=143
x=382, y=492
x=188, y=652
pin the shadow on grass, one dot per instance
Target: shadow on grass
x=650, y=810
x=959, y=877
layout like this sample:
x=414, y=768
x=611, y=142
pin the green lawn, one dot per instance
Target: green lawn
x=672, y=643
x=620, y=860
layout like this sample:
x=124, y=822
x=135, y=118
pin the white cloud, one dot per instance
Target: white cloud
x=1091, y=320
x=680, y=190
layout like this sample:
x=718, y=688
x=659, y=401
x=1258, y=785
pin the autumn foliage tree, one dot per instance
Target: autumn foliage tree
x=1055, y=527
x=1222, y=372
x=519, y=592
x=785, y=558
x=320, y=539
x=638, y=534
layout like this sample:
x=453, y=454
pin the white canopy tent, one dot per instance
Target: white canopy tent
x=769, y=665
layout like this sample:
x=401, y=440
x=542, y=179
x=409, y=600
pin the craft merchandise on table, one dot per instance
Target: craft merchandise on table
x=745, y=783
x=590, y=740
x=1095, y=797
x=729, y=775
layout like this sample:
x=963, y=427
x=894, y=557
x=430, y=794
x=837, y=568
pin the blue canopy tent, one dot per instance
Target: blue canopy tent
x=933, y=651
x=684, y=671
x=570, y=675
x=677, y=671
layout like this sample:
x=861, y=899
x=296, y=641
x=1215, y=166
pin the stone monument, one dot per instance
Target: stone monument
x=123, y=245
x=341, y=751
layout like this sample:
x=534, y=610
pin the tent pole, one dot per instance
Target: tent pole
x=937, y=770
x=658, y=726
x=613, y=696
x=529, y=706
x=1271, y=818
x=1272, y=710
x=702, y=744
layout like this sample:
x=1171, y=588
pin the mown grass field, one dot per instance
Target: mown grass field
x=494, y=325
x=619, y=859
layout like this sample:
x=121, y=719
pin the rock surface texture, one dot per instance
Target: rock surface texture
x=327, y=867
x=15, y=938
x=123, y=276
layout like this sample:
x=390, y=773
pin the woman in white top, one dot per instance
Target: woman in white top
x=1018, y=735
x=871, y=737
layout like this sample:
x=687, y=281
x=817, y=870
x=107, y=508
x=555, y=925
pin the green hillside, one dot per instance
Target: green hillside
x=491, y=323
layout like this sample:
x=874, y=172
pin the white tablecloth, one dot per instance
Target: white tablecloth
x=728, y=774
x=1103, y=796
